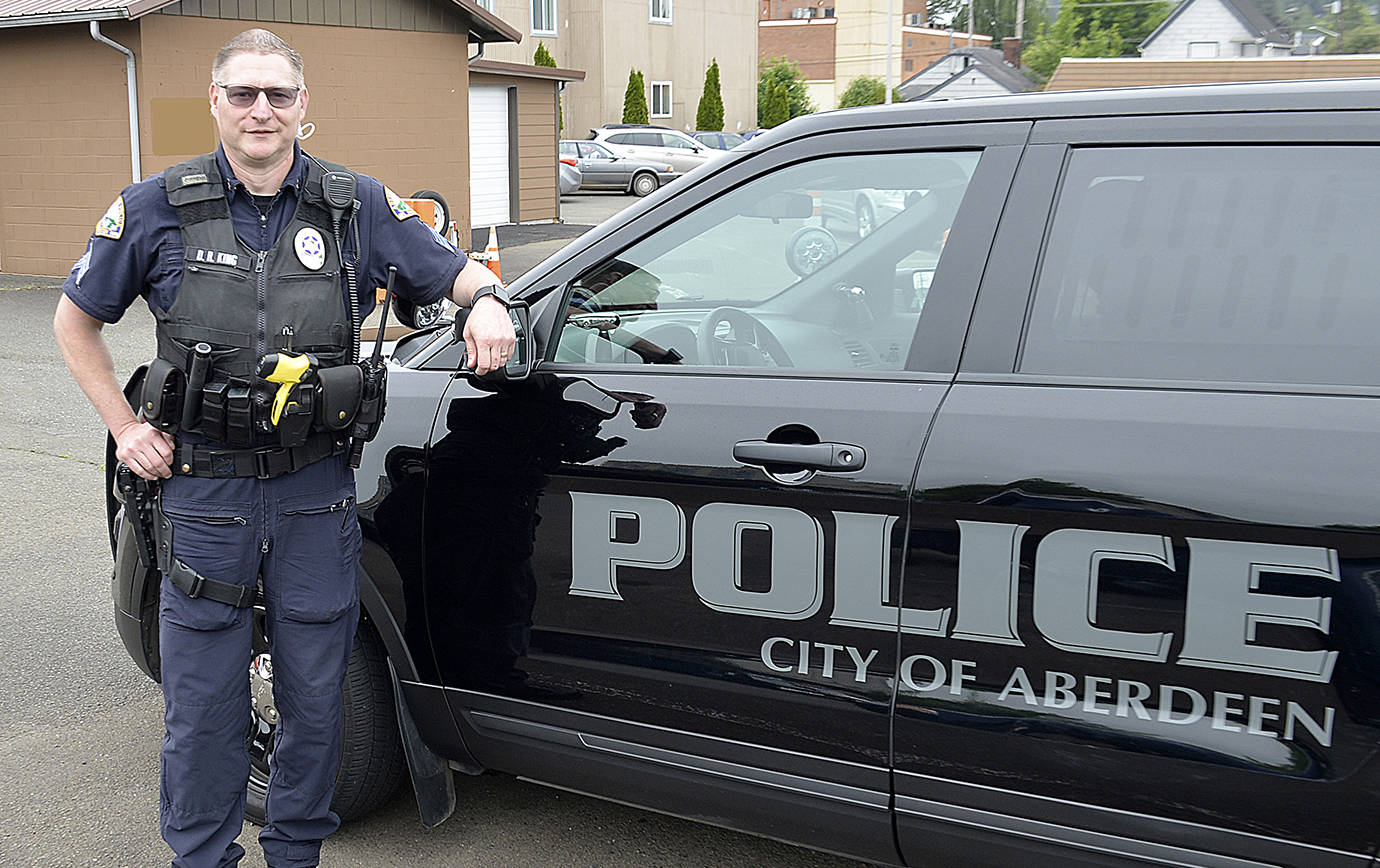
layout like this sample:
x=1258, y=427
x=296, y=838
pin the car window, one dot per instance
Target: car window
x=731, y=140
x=1243, y=263
x=710, y=139
x=776, y=272
x=589, y=150
x=569, y=148
x=621, y=138
x=671, y=140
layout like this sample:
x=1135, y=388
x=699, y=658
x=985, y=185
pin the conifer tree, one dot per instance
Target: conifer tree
x=711, y=111
x=635, y=100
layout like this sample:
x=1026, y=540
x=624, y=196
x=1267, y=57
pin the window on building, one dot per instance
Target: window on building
x=486, y=5
x=1250, y=49
x=661, y=99
x=910, y=66
x=1202, y=49
x=1252, y=264
x=544, y=17
x=661, y=11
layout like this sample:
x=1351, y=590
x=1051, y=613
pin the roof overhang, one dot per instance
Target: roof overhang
x=527, y=70
x=485, y=26
x=481, y=24
x=38, y=14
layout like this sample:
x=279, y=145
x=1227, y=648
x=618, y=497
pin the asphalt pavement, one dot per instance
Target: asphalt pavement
x=80, y=726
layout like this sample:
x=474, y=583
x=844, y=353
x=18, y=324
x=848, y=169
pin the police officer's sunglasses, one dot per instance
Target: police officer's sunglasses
x=244, y=96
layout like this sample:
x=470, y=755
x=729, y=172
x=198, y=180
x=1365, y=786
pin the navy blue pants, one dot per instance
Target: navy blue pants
x=300, y=532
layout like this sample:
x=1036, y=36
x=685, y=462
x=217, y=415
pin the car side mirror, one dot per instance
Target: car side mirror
x=521, y=364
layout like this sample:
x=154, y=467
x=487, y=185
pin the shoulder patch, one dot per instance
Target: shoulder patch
x=112, y=224
x=400, y=209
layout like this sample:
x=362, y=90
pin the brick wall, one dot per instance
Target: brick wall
x=809, y=44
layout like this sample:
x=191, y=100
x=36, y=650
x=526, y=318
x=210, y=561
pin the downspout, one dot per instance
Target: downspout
x=132, y=88
x=478, y=54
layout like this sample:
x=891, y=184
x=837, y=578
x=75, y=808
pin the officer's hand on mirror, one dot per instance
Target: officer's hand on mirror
x=146, y=450
x=489, y=337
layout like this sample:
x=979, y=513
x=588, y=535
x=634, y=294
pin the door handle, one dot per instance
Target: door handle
x=806, y=456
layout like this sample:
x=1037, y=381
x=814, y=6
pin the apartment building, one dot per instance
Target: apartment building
x=672, y=42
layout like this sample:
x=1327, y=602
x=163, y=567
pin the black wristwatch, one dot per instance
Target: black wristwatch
x=494, y=290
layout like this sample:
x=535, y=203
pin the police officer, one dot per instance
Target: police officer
x=242, y=250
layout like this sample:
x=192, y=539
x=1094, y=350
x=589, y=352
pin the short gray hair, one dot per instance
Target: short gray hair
x=257, y=41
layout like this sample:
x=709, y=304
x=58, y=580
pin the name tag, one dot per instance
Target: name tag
x=214, y=257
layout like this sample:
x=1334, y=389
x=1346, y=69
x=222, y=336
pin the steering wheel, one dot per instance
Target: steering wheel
x=750, y=344
x=809, y=249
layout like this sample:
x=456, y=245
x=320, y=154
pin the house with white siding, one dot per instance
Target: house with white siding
x=964, y=72
x=1217, y=28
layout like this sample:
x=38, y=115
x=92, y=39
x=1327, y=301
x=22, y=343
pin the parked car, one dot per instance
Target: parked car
x=570, y=175
x=1035, y=526
x=602, y=169
x=656, y=145
x=715, y=139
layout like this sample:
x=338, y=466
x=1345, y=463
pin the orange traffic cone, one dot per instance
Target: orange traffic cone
x=491, y=252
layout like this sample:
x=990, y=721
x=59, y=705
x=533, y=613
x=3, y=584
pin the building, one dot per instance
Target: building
x=966, y=72
x=1084, y=73
x=97, y=93
x=672, y=43
x=836, y=41
x=1216, y=28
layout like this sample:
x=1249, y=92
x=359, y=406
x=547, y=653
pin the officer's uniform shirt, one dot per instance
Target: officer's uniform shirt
x=137, y=246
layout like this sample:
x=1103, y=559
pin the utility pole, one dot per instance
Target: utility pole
x=970, y=22
x=890, y=34
x=1020, y=20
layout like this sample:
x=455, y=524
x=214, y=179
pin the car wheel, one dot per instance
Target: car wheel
x=644, y=183
x=372, y=765
x=867, y=218
x=442, y=209
x=809, y=249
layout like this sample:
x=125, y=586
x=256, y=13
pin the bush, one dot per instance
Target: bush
x=864, y=90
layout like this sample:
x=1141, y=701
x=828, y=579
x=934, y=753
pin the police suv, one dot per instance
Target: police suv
x=1036, y=524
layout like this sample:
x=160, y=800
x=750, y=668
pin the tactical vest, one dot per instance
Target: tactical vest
x=246, y=304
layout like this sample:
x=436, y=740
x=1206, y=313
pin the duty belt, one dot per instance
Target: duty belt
x=264, y=463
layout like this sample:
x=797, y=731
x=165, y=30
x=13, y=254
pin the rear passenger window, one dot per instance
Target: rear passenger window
x=1248, y=264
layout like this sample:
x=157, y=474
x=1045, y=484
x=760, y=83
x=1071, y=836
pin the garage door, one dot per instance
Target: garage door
x=488, y=156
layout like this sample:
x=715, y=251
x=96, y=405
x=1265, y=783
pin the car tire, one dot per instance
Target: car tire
x=441, y=206
x=867, y=218
x=372, y=764
x=644, y=183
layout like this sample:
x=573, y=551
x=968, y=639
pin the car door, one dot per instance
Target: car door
x=599, y=167
x=1143, y=564
x=681, y=152
x=662, y=568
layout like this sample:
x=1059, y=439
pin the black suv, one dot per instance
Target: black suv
x=1035, y=524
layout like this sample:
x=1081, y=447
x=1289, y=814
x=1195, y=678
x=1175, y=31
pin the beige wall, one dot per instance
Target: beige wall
x=389, y=103
x=608, y=38
x=64, y=141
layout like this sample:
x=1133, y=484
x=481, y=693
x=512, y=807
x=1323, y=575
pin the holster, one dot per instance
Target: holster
x=153, y=533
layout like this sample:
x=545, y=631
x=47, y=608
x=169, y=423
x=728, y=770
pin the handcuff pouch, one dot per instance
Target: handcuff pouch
x=340, y=391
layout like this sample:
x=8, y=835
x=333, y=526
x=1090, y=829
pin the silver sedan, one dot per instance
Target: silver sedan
x=602, y=169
